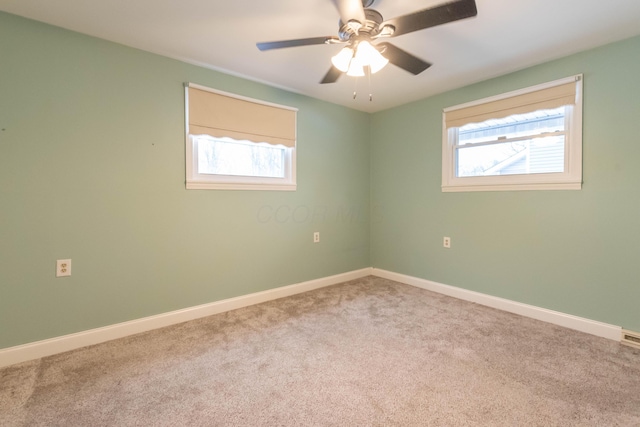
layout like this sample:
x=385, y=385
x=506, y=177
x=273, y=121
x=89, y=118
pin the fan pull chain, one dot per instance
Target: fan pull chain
x=369, y=78
x=355, y=88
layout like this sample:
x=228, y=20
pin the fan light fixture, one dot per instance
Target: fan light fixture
x=342, y=60
x=353, y=62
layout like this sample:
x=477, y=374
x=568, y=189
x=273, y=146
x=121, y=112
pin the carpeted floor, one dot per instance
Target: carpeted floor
x=365, y=353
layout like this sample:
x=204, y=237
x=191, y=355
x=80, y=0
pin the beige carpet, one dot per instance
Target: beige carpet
x=364, y=353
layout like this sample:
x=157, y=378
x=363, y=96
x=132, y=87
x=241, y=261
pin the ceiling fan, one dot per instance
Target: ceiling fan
x=359, y=26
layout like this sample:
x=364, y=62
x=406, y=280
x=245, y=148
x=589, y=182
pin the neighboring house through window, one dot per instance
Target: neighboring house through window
x=238, y=143
x=530, y=139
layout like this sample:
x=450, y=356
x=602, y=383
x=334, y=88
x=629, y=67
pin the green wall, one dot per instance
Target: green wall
x=570, y=251
x=92, y=168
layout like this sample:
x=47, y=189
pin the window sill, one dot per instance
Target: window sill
x=240, y=186
x=512, y=187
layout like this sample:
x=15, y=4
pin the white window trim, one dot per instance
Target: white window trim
x=571, y=179
x=197, y=181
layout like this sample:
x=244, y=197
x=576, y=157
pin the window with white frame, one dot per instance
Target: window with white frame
x=238, y=143
x=530, y=139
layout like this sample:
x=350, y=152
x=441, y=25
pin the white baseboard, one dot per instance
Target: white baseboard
x=48, y=347
x=557, y=318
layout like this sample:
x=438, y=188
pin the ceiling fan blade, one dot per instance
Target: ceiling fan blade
x=350, y=10
x=332, y=75
x=403, y=59
x=297, y=42
x=447, y=12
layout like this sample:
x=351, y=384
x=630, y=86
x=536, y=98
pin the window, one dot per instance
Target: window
x=529, y=139
x=238, y=143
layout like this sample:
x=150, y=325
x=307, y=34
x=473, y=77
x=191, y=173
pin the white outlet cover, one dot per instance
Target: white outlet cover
x=63, y=268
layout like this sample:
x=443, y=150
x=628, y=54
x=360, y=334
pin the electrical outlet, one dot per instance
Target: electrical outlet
x=63, y=267
x=446, y=242
x=316, y=237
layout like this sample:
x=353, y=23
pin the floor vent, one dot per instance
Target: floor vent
x=630, y=338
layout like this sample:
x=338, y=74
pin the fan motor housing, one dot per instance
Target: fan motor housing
x=370, y=27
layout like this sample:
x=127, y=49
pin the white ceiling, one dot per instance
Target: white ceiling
x=507, y=35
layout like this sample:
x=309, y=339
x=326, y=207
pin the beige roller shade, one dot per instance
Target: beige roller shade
x=221, y=115
x=544, y=99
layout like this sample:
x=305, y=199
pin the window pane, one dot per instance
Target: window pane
x=229, y=157
x=514, y=126
x=532, y=156
x=523, y=153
